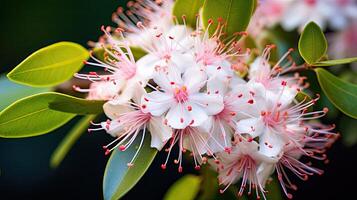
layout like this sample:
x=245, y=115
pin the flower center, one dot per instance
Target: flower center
x=181, y=94
x=272, y=119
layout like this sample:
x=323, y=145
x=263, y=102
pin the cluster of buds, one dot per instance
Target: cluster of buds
x=186, y=92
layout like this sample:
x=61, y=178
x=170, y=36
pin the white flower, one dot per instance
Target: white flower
x=101, y=90
x=124, y=72
x=180, y=98
x=128, y=121
x=153, y=17
x=242, y=164
x=323, y=12
x=168, y=50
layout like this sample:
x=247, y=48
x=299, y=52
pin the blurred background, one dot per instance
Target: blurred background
x=27, y=26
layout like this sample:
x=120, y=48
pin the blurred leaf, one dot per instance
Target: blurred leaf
x=210, y=187
x=10, y=92
x=118, y=177
x=50, y=65
x=236, y=13
x=335, y=62
x=274, y=191
x=67, y=143
x=69, y=104
x=342, y=94
x=348, y=127
x=137, y=53
x=312, y=43
x=31, y=116
x=186, y=188
x=188, y=8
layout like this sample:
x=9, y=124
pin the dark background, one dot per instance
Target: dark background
x=26, y=26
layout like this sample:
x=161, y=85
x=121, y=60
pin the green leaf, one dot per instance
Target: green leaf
x=335, y=62
x=274, y=191
x=186, y=188
x=31, y=116
x=70, y=104
x=188, y=8
x=10, y=92
x=348, y=127
x=67, y=143
x=312, y=43
x=118, y=177
x=50, y=65
x=236, y=13
x=342, y=94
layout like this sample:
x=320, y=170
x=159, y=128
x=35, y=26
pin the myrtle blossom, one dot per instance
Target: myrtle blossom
x=241, y=164
x=335, y=13
x=245, y=127
x=343, y=43
x=144, y=19
x=128, y=121
x=180, y=99
x=123, y=71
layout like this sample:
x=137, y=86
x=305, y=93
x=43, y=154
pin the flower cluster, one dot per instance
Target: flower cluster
x=186, y=92
x=293, y=14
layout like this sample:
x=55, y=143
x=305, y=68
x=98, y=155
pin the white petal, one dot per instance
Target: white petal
x=157, y=103
x=264, y=171
x=160, y=133
x=146, y=65
x=212, y=104
x=183, y=61
x=114, y=111
x=194, y=79
x=271, y=144
x=252, y=126
x=197, y=114
x=196, y=142
x=178, y=117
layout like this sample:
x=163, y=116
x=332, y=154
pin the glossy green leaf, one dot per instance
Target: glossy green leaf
x=188, y=8
x=63, y=148
x=235, y=13
x=342, y=94
x=69, y=104
x=10, y=92
x=118, y=177
x=335, y=62
x=31, y=116
x=186, y=188
x=312, y=43
x=50, y=65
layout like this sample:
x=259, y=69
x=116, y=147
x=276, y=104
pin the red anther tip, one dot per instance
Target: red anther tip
x=250, y=139
x=325, y=110
x=163, y=166
x=122, y=148
x=221, y=191
x=216, y=161
x=210, y=21
x=180, y=169
x=250, y=101
x=85, y=62
x=183, y=16
x=197, y=167
x=107, y=152
x=104, y=147
x=130, y=164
